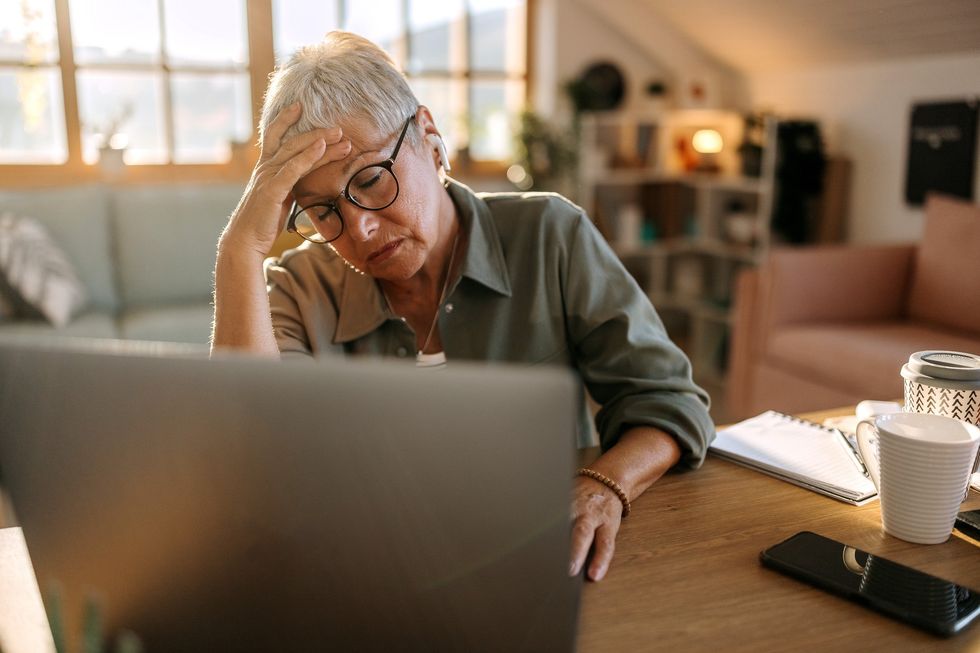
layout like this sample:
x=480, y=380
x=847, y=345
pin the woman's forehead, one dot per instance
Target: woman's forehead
x=330, y=178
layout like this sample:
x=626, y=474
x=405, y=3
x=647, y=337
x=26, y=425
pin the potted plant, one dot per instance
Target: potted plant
x=113, y=141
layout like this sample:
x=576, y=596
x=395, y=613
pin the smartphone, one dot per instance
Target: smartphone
x=912, y=596
x=968, y=523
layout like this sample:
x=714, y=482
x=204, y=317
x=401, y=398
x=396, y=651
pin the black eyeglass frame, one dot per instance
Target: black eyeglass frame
x=387, y=164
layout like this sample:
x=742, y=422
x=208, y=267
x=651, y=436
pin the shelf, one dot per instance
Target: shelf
x=697, y=180
x=691, y=305
x=674, y=246
x=631, y=176
x=738, y=183
x=720, y=248
x=713, y=313
x=692, y=212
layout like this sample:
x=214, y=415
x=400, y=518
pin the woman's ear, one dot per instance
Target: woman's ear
x=433, y=139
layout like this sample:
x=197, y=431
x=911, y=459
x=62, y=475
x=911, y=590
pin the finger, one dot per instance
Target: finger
x=335, y=152
x=296, y=144
x=299, y=165
x=583, y=533
x=605, y=546
x=283, y=121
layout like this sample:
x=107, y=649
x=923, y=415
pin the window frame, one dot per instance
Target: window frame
x=261, y=64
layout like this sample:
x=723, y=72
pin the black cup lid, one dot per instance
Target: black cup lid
x=952, y=365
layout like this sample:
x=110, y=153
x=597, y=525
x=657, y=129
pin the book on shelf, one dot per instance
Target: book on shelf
x=804, y=453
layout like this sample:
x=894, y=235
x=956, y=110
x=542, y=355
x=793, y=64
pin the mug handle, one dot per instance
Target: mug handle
x=969, y=477
x=868, y=454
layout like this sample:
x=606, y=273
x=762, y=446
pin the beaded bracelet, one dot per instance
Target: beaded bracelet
x=609, y=483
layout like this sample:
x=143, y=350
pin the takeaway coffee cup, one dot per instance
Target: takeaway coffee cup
x=943, y=383
x=922, y=471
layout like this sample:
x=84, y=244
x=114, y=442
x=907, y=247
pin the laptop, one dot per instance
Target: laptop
x=241, y=504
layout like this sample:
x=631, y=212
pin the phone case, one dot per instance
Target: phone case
x=928, y=602
x=968, y=523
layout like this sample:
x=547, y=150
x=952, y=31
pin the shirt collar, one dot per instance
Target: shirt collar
x=485, y=261
x=363, y=307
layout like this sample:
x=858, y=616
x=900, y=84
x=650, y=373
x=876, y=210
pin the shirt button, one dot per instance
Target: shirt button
x=450, y=308
x=402, y=352
x=403, y=319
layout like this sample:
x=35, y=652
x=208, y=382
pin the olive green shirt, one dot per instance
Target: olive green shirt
x=538, y=285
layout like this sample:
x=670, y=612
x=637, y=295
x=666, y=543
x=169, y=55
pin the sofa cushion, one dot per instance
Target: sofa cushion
x=946, y=280
x=866, y=358
x=190, y=323
x=78, y=220
x=167, y=238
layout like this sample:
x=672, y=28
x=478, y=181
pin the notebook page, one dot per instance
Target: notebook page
x=797, y=448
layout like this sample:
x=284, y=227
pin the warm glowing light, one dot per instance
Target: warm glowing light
x=520, y=177
x=516, y=174
x=707, y=141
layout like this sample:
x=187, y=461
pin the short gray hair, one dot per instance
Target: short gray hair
x=342, y=80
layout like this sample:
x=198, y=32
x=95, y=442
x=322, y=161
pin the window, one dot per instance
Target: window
x=32, y=121
x=179, y=82
x=171, y=87
x=465, y=59
x=166, y=79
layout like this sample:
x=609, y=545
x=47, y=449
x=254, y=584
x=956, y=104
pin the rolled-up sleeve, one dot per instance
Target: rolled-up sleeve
x=623, y=353
x=287, y=319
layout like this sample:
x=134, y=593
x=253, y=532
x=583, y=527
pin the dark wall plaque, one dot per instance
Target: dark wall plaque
x=942, y=150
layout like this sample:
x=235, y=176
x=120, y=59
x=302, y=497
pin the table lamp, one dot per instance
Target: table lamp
x=707, y=143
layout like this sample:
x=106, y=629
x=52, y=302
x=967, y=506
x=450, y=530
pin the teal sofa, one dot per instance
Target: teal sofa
x=144, y=253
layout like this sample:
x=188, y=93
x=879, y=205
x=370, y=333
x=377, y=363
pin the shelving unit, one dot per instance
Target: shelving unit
x=673, y=229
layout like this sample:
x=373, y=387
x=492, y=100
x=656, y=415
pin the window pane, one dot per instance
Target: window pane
x=497, y=35
x=378, y=20
x=205, y=33
x=431, y=24
x=28, y=31
x=32, y=116
x=210, y=111
x=494, y=109
x=445, y=100
x=302, y=22
x=126, y=107
x=122, y=31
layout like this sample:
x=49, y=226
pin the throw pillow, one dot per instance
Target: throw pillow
x=36, y=272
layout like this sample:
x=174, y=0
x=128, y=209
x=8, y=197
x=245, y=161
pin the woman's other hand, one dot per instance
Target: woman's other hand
x=596, y=516
x=642, y=455
x=261, y=213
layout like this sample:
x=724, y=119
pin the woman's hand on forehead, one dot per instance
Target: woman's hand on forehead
x=283, y=161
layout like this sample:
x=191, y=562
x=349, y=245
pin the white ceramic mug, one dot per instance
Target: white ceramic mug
x=922, y=470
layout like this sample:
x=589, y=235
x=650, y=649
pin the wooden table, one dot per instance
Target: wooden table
x=687, y=577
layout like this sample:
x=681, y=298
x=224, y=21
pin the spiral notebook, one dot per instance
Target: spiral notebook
x=800, y=452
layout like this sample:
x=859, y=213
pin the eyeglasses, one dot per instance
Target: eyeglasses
x=372, y=188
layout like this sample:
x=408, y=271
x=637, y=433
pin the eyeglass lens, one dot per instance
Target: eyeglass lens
x=374, y=187
x=320, y=224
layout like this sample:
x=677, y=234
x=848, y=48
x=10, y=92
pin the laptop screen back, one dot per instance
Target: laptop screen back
x=250, y=505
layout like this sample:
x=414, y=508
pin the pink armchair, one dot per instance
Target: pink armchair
x=829, y=326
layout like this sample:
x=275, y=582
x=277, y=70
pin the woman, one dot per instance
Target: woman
x=404, y=259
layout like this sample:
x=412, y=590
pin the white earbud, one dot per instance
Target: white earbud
x=434, y=140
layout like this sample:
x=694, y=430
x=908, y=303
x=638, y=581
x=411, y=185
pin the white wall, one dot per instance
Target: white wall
x=864, y=111
x=571, y=34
